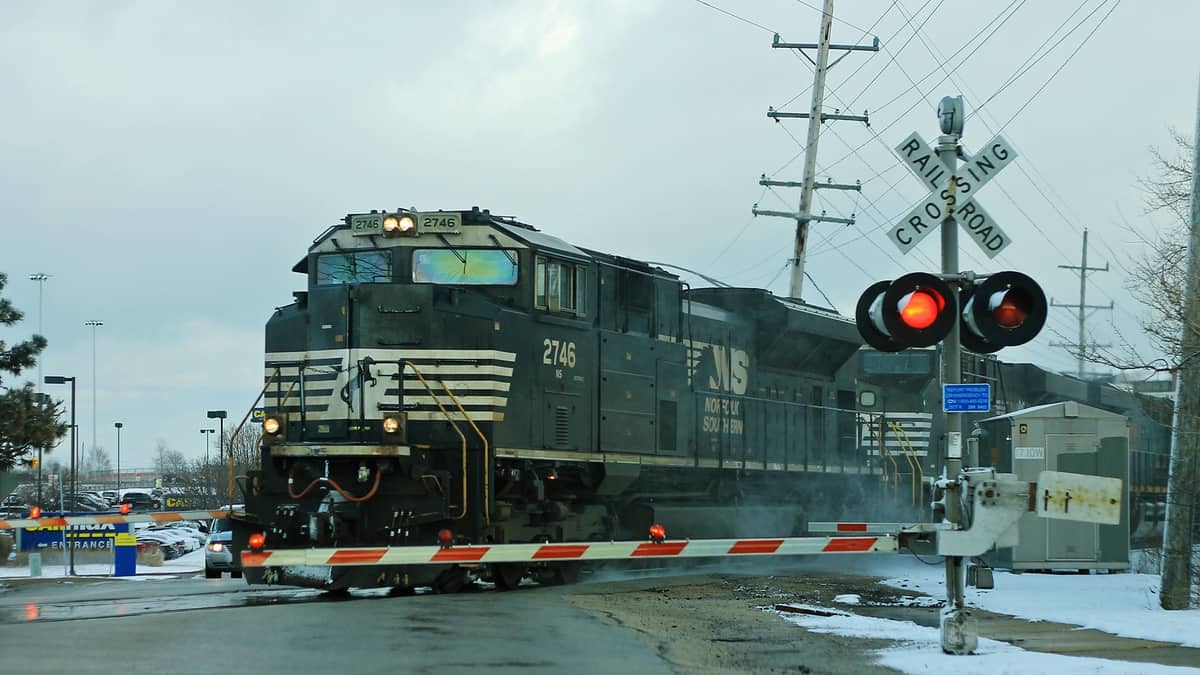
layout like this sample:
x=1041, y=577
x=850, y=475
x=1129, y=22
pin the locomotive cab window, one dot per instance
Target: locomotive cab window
x=465, y=266
x=558, y=286
x=358, y=267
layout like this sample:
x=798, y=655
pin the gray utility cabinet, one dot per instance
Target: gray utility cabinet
x=1070, y=437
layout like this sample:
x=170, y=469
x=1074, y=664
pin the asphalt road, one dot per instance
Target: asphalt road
x=201, y=626
x=709, y=621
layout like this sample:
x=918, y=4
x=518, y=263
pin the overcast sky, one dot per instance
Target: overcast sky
x=167, y=163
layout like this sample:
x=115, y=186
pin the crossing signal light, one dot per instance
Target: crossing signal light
x=916, y=310
x=1003, y=310
x=1000, y=310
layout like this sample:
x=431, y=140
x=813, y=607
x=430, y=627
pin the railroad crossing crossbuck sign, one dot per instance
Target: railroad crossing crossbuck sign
x=970, y=177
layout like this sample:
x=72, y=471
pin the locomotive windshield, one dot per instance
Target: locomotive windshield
x=354, y=268
x=473, y=267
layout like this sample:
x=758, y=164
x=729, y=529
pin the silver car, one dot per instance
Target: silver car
x=219, y=555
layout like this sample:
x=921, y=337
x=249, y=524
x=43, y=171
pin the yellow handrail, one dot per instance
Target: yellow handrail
x=453, y=425
x=910, y=454
x=487, y=516
x=883, y=451
x=233, y=436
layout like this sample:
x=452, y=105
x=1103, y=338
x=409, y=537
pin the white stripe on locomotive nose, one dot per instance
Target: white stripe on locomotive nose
x=427, y=371
x=393, y=355
x=467, y=401
x=458, y=385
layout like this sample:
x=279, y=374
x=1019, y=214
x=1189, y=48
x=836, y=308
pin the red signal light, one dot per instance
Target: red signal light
x=1004, y=309
x=920, y=309
x=35, y=512
x=1011, y=309
x=124, y=508
x=658, y=532
x=257, y=541
x=915, y=310
x=445, y=537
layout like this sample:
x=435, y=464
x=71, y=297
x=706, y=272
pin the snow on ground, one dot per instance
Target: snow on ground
x=187, y=564
x=1122, y=604
x=920, y=651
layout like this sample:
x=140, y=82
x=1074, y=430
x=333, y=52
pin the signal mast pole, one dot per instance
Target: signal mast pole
x=804, y=215
x=958, y=631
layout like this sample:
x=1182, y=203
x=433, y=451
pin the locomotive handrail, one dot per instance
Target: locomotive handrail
x=883, y=451
x=905, y=448
x=453, y=425
x=233, y=436
x=487, y=516
x=911, y=455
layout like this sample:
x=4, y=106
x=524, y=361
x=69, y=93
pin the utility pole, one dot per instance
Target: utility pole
x=1185, y=437
x=816, y=116
x=1081, y=310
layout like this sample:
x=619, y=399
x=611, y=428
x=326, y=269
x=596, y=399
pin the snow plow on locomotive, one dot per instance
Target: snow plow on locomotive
x=461, y=378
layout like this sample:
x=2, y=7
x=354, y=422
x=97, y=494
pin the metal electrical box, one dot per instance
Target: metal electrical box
x=1070, y=437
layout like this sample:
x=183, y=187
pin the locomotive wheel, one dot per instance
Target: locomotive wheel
x=558, y=574
x=451, y=581
x=508, y=575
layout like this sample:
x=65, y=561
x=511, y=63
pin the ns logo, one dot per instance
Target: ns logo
x=721, y=368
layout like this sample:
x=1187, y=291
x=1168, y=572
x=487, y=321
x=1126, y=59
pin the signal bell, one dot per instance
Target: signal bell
x=916, y=310
x=1003, y=310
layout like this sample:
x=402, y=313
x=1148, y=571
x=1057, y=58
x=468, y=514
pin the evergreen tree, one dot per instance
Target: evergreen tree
x=25, y=424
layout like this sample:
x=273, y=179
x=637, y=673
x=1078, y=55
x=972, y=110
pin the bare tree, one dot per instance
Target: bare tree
x=1158, y=275
x=170, y=464
x=97, y=461
x=1159, y=279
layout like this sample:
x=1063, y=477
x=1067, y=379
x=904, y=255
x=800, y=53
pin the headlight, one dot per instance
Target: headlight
x=275, y=428
x=216, y=547
x=391, y=425
x=402, y=223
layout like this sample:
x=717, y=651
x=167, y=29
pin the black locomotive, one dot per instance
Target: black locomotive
x=462, y=374
x=462, y=377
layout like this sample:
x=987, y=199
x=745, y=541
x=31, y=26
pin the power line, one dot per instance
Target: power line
x=866, y=31
x=861, y=65
x=735, y=16
x=1061, y=67
x=1029, y=61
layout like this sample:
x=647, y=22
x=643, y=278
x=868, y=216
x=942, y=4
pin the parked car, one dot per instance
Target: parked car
x=110, y=496
x=92, y=500
x=140, y=501
x=219, y=555
x=77, y=505
x=170, y=543
x=193, y=530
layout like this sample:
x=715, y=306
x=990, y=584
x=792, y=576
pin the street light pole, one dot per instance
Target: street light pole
x=56, y=379
x=220, y=415
x=94, y=323
x=41, y=279
x=118, y=426
x=208, y=482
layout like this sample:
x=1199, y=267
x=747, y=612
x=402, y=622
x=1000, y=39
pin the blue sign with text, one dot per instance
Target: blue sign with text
x=966, y=397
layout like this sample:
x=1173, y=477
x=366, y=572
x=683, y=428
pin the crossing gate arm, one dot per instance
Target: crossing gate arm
x=115, y=519
x=535, y=553
x=844, y=528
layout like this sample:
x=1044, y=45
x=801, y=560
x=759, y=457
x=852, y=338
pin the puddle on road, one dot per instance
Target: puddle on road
x=108, y=608
x=99, y=609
